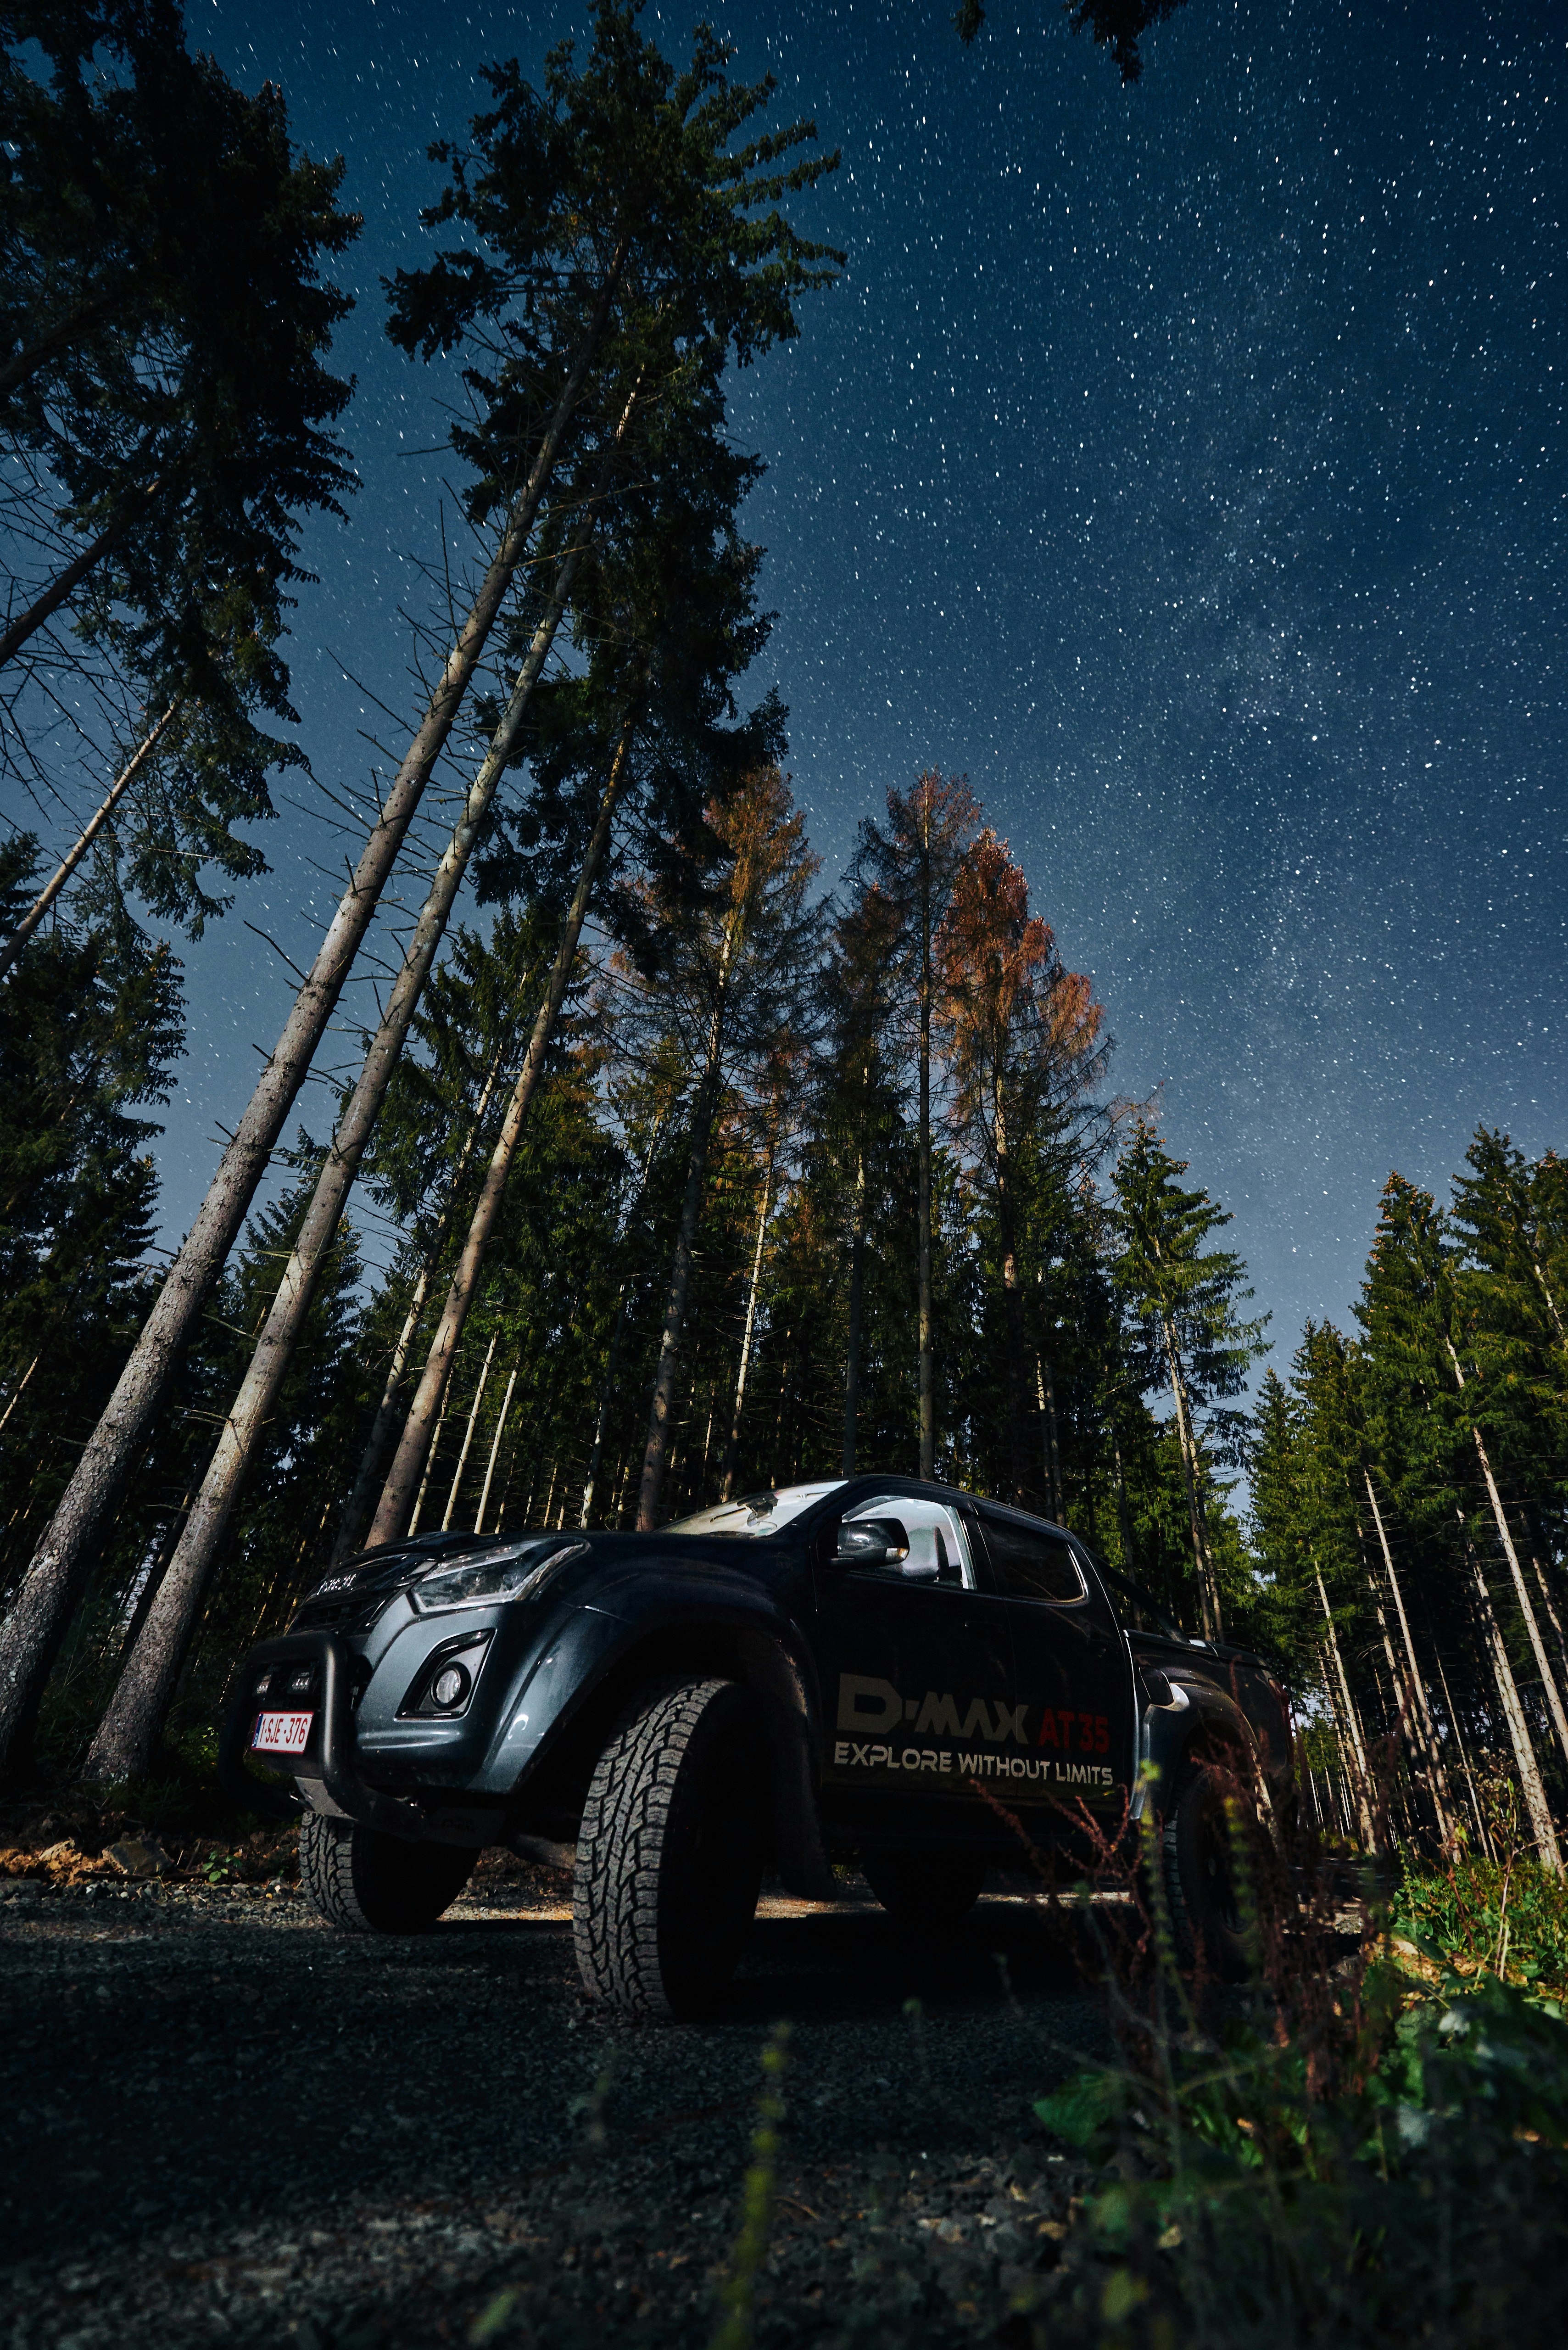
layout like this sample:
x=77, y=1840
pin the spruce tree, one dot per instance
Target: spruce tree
x=1430, y=1443
x=858, y=1105
x=1185, y=1300
x=165, y=326
x=734, y=975
x=622, y=189
x=1024, y=1044
x=666, y=618
x=914, y=859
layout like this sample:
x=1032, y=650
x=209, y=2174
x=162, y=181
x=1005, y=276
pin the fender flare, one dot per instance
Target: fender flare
x=1168, y=1731
x=764, y=1651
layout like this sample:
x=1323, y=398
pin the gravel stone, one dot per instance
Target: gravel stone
x=227, y=2124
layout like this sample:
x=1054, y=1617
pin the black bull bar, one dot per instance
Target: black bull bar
x=334, y=1764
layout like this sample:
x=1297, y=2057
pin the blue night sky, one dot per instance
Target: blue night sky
x=1184, y=463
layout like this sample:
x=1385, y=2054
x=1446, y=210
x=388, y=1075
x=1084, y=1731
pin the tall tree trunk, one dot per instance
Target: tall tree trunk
x=656, y=1452
x=372, y=1459
x=1046, y=1389
x=612, y=1360
x=430, y=1464
x=1427, y=1736
x=1364, y=1776
x=391, y=1509
x=1341, y=1744
x=1529, y=1770
x=727, y=1480
x=1316, y=1798
x=156, y=1569
x=1011, y=1299
x=468, y=1435
x=14, y=1398
x=923, y=1237
x=705, y=1107
x=852, y=1351
x=625, y=1480
x=1476, y=1812
x=1208, y=1587
x=32, y=1632
x=1550, y=1605
x=130, y=1730
x=10, y=947
x=708, y=1434
x=1499, y=1518
x=607, y=1397
x=1124, y=1511
x=495, y=1446
x=1546, y=1288
x=1399, y=1714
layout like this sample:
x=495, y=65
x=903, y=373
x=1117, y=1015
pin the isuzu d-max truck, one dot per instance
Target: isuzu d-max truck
x=828, y=1671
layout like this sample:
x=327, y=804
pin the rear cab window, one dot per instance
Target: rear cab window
x=1029, y=1561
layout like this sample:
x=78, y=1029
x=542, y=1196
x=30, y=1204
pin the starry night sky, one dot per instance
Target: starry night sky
x=1184, y=463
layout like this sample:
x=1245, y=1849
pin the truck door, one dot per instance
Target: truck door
x=1072, y=1677
x=916, y=1667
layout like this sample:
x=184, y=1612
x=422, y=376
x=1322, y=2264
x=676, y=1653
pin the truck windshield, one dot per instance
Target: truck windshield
x=754, y=1513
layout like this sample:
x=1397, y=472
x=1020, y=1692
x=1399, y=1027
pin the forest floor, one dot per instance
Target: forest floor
x=225, y=2124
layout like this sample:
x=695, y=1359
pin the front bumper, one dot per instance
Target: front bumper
x=330, y=1758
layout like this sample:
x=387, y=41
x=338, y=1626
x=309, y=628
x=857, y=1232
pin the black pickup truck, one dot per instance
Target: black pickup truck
x=837, y=1670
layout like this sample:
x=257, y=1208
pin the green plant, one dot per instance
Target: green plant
x=738, y=2292
x=1476, y=1916
x=1343, y=2151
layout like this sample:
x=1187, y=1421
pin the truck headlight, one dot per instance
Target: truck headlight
x=518, y=1571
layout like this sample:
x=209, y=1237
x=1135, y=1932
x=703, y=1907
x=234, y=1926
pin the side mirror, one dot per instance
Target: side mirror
x=871, y=1542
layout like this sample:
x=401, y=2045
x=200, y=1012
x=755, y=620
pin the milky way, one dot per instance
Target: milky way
x=1184, y=463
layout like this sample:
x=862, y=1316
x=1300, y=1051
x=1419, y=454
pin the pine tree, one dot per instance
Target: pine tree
x=90, y=1027
x=1024, y=1042
x=914, y=860
x=437, y=1125
x=857, y=1104
x=1185, y=1299
x=666, y=618
x=165, y=327
x=733, y=977
x=621, y=187
x=1428, y=1438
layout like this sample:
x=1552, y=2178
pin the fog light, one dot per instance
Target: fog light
x=299, y=1683
x=264, y=1684
x=451, y=1686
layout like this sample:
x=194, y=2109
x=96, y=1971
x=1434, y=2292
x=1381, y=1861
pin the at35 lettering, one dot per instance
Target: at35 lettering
x=1072, y=1733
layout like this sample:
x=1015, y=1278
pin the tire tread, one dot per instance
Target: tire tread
x=620, y=1849
x=326, y=1872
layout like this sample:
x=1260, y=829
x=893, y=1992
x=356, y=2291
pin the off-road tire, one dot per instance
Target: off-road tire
x=367, y=1883
x=671, y=1851
x=932, y=1891
x=1206, y=1920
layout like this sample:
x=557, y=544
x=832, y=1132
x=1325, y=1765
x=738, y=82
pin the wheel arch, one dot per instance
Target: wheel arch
x=1210, y=1728
x=743, y=1646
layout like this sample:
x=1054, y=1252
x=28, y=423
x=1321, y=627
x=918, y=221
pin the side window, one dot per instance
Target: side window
x=1030, y=1564
x=937, y=1540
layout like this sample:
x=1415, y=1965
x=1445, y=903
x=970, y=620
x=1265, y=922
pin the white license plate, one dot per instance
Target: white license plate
x=282, y=1733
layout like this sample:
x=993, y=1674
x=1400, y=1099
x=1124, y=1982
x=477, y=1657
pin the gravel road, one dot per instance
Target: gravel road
x=225, y=2124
